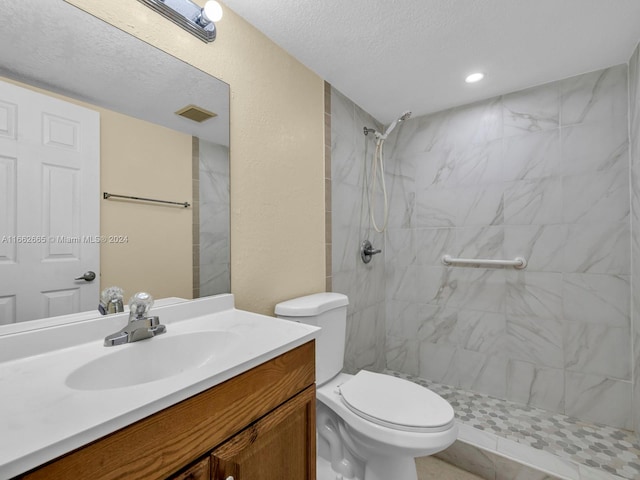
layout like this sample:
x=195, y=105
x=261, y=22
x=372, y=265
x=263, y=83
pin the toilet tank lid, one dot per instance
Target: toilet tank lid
x=311, y=304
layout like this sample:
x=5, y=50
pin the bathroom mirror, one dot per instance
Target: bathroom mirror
x=57, y=47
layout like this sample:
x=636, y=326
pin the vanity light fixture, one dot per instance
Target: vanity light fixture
x=474, y=77
x=199, y=21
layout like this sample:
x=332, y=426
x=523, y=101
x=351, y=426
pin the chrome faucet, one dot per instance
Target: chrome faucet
x=140, y=326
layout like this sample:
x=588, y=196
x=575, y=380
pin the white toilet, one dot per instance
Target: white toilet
x=370, y=426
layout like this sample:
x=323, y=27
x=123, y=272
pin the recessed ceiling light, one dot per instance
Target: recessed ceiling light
x=474, y=77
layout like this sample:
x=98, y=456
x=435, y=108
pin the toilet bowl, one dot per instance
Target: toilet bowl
x=384, y=437
x=370, y=426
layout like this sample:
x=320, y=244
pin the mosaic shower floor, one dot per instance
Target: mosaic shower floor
x=608, y=449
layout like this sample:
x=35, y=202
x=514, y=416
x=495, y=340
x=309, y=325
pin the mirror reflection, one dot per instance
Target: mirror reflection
x=86, y=109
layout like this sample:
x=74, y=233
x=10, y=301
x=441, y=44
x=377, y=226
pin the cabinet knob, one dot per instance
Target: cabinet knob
x=229, y=478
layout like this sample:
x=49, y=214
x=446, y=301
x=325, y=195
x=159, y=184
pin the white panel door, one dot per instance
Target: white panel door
x=49, y=205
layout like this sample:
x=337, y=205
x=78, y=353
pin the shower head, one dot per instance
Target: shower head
x=405, y=116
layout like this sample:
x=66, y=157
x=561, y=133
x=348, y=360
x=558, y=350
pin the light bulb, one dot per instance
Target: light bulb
x=212, y=11
x=474, y=77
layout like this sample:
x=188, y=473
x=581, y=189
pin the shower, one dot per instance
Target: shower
x=377, y=172
x=518, y=341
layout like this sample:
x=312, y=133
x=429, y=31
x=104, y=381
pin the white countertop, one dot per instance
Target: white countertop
x=42, y=418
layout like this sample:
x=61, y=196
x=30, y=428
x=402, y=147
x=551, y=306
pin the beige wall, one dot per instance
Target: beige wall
x=146, y=160
x=277, y=150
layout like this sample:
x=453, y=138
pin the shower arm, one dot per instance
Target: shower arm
x=383, y=136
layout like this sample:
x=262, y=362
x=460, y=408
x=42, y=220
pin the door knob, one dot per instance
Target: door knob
x=87, y=276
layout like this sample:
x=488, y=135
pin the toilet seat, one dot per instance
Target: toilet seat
x=396, y=403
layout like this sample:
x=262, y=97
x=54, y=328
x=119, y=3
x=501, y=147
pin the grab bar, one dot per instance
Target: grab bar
x=518, y=262
x=106, y=196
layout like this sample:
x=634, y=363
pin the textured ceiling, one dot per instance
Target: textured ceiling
x=396, y=55
x=56, y=46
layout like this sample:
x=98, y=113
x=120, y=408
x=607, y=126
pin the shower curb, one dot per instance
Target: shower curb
x=495, y=458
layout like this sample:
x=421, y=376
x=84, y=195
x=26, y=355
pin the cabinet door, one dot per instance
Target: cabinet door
x=279, y=446
x=198, y=471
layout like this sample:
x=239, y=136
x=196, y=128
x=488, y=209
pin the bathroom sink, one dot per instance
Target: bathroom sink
x=151, y=360
x=63, y=389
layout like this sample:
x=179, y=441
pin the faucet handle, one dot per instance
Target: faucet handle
x=111, y=301
x=140, y=304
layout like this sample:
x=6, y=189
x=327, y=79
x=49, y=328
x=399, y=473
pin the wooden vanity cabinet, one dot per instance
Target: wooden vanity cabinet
x=259, y=425
x=201, y=470
x=277, y=447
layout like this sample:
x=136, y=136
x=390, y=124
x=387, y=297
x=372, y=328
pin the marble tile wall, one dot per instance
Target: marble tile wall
x=541, y=173
x=214, y=219
x=634, y=123
x=363, y=284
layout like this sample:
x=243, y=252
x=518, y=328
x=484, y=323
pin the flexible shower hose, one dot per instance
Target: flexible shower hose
x=378, y=163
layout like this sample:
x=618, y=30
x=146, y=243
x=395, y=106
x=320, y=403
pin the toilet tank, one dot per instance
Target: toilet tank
x=329, y=312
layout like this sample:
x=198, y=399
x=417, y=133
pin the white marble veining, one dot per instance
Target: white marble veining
x=534, y=294
x=215, y=258
x=598, y=349
x=479, y=164
x=634, y=124
x=434, y=169
x=594, y=96
x=480, y=206
x=39, y=410
x=436, y=208
x=439, y=361
x=534, y=202
x=432, y=244
x=532, y=110
x=535, y=339
x=603, y=197
x=365, y=337
x=400, y=247
x=594, y=147
x=403, y=354
x=502, y=439
x=597, y=248
x=590, y=397
x=533, y=156
x=482, y=332
x=598, y=299
x=541, y=173
x=437, y=324
x=482, y=373
x=401, y=180
x=541, y=245
x=406, y=320
x=346, y=167
x=365, y=285
x=534, y=385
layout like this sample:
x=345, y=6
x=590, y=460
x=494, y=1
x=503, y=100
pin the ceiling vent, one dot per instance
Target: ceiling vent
x=195, y=113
